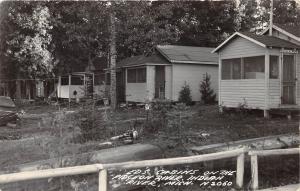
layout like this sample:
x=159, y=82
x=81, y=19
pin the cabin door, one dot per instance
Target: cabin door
x=121, y=86
x=288, y=80
x=160, y=82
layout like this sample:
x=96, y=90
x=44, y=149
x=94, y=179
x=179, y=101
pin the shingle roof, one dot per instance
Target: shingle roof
x=294, y=30
x=188, y=54
x=271, y=41
x=142, y=60
x=262, y=40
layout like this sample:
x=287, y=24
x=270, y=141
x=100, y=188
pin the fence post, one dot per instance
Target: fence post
x=254, y=172
x=102, y=185
x=240, y=170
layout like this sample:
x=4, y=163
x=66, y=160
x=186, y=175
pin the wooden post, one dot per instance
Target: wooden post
x=240, y=170
x=254, y=170
x=102, y=180
x=69, y=89
x=267, y=83
x=219, y=84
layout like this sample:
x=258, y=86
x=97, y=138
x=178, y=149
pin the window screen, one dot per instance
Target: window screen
x=231, y=69
x=141, y=75
x=131, y=75
x=254, y=67
x=65, y=80
x=137, y=75
x=274, y=67
x=76, y=80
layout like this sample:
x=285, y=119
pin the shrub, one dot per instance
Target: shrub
x=185, y=95
x=207, y=94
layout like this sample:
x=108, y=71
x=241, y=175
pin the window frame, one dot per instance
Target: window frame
x=240, y=73
x=137, y=75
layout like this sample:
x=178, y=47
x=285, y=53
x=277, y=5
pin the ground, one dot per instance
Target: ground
x=44, y=131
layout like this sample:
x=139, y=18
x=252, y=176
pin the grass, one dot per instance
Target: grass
x=40, y=138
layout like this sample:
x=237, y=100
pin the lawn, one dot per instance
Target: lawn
x=45, y=132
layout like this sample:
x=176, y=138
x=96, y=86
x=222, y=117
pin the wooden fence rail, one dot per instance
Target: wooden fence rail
x=254, y=161
x=102, y=168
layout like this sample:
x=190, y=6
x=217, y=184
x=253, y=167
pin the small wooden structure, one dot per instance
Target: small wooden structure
x=259, y=71
x=75, y=85
x=163, y=74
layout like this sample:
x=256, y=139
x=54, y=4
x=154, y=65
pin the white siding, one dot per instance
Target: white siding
x=140, y=92
x=192, y=75
x=64, y=91
x=136, y=92
x=250, y=92
x=168, y=82
x=150, y=82
x=241, y=47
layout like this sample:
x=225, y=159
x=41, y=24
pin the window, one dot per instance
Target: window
x=131, y=76
x=274, y=67
x=64, y=80
x=137, y=75
x=141, y=75
x=76, y=80
x=254, y=67
x=231, y=69
x=243, y=68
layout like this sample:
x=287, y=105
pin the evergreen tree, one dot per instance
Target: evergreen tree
x=207, y=94
x=185, y=94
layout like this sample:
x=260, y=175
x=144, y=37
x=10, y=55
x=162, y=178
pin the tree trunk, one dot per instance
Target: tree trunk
x=113, y=55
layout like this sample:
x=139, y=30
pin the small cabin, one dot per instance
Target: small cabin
x=163, y=74
x=259, y=71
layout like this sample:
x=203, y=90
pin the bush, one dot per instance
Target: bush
x=90, y=124
x=185, y=95
x=207, y=94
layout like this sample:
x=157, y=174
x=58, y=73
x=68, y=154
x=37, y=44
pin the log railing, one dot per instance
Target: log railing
x=102, y=168
x=254, y=161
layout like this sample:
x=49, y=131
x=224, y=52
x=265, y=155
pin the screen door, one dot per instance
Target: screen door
x=288, y=80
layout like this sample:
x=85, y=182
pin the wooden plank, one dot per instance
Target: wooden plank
x=275, y=152
x=102, y=185
x=49, y=173
x=254, y=172
x=240, y=170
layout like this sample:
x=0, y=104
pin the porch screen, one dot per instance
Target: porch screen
x=254, y=67
x=64, y=80
x=76, y=80
x=137, y=75
x=274, y=67
x=231, y=69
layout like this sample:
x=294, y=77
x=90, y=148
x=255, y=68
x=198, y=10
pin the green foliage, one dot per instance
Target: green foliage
x=207, y=94
x=185, y=94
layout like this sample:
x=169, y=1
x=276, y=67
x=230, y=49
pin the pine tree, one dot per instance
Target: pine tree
x=207, y=94
x=185, y=95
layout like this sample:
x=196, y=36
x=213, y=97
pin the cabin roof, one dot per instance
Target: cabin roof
x=261, y=40
x=292, y=31
x=188, y=54
x=167, y=54
x=142, y=60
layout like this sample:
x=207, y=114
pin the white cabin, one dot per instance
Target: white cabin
x=259, y=71
x=162, y=75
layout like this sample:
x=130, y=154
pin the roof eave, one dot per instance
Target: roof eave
x=282, y=31
x=241, y=35
x=194, y=62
